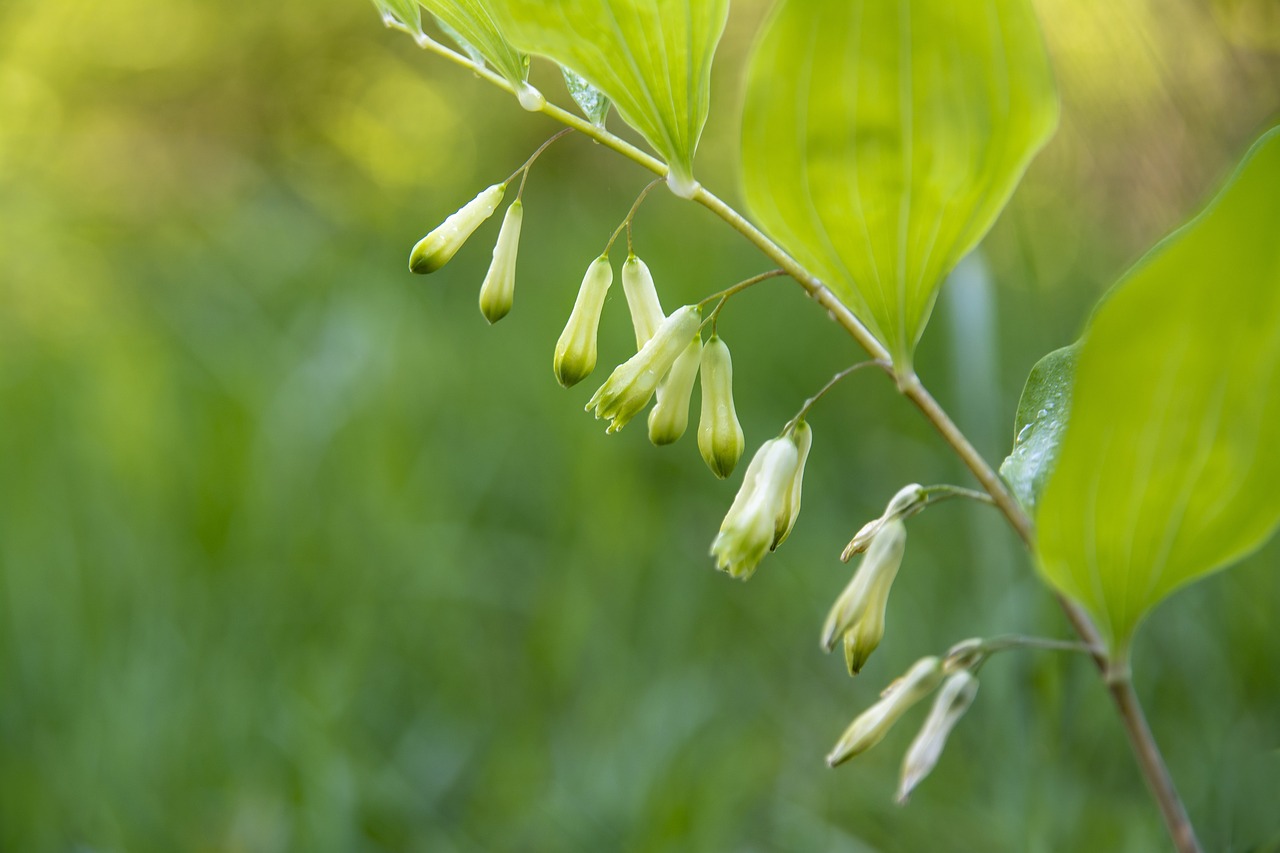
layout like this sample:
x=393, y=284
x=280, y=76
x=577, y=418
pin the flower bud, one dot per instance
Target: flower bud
x=437, y=248
x=922, y=756
x=748, y=528
x=576, y=350
x=670, y=414
x=858, y=614
x=631, y=385
x=907, y=502
x=720, y=439
x=642, y=299
x=802, y=435
x=499, y=289
x=966, y=654
x=874, y=723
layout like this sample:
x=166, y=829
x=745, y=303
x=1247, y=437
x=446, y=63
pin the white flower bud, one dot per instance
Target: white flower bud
x=720, y=439
x=438, y=248
x=922, y=756
x=499, y=289
x=802, y=435
x=874, y=723
x=858, y=614
x=642, y=299
x=748, y=528
x=575, y=356
x=907, y=502
x=669, y=417
x=631, y=385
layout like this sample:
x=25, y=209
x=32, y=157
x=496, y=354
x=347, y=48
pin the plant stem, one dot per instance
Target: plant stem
x=1119, y=684
x=1153, y=767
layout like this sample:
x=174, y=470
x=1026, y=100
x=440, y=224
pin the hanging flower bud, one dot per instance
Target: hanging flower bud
x=642, y=299
x=858, y=614
x=966, y=654
x=669, y=417
x=576, y=350
x=437, y=248
x=631, y=385
x=720, y=439
x=499, y=289
x=907, y=502
x=748, y=528
x=874, y=723
x=802, y=435
x=922, y=756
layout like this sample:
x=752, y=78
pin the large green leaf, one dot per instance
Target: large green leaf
x=474, y=23
x=1039, y=425
x=1170, y=467
x=651, y=58
x=881, y=140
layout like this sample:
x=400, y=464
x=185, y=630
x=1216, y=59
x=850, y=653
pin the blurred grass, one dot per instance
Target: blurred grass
x=296, y=553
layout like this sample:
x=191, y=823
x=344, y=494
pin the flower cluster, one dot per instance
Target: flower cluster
x=670, y=356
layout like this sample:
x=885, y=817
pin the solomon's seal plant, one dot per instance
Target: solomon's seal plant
x=880, y=141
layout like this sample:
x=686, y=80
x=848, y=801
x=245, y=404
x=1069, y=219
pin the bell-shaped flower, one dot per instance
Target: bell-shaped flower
x=907, y=502
x=748, y=528
x=720, y=439
x=499, y=289
x=874, y=723
x=858, y=614
x=631, y=385
x=949, y=705
x=575, y=356
x=802, y=435
x=642, y=299
x=669, y=417
x=437, y=248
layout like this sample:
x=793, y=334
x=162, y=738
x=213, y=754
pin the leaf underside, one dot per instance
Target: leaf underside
x=1170, y=465
x=592, y=102
x=1042, y=417
x=881, y=140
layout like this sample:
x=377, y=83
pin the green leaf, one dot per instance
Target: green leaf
x=1041, y=420
x=592, y=102
x=467, y=47
x=1170, y=467
x=473, y=24
x=402, y=12
x=651, y=58
x=881, y=140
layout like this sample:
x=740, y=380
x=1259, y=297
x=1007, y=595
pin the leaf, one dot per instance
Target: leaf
x=1170, y=467
x=467, y=47
x=881, y=140
x=592, y=102
x=651, y=58
x=1039, y=424
x=402, y=12
x=472, y=24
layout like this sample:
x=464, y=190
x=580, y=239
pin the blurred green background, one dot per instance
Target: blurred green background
x=297, y=553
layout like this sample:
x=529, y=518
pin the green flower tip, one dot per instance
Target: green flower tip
x=720, y=439
x=437, y=248
x=575, y=355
